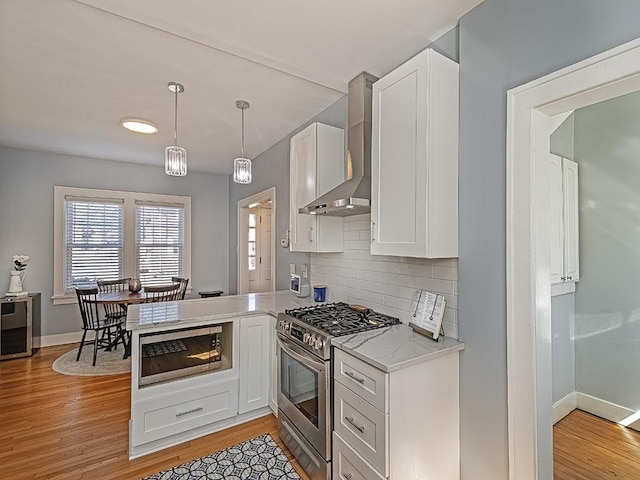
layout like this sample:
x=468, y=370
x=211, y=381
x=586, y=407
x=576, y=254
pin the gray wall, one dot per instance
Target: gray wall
x=26, y=215
x=503, y=44
x=563, y=306
x=607, y=149
x=271, y=169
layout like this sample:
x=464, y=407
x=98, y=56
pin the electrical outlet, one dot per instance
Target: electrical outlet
x=292, y=269
x=305, y=270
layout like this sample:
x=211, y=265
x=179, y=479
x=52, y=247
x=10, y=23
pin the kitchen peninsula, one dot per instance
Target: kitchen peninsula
x=223, y=371
x=172, y=399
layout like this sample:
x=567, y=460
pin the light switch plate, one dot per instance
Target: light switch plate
x=305, y=270
x=292, y=269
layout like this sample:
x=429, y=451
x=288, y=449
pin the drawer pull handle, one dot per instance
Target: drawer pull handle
x=347, y=476
x=187, y=412
x=354, y=377
x=355, y=425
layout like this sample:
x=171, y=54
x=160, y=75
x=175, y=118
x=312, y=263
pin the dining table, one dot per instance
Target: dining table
x=123, y=298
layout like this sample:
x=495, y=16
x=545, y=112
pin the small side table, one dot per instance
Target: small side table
x=212, y=293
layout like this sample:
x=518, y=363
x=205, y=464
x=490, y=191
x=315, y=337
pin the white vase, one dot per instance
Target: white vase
x=15, y=284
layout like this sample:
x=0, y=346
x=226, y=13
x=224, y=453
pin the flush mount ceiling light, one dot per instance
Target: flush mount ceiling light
x=242, y=166
x=175, y=157
x=139, y=126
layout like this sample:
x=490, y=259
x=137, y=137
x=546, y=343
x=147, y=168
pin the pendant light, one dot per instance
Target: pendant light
x=242, y=165
x=175, y=157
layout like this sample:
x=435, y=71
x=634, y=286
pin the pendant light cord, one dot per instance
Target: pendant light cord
x=242, y=154
x=175, y=120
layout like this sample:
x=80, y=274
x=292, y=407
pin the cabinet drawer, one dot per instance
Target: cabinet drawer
x=348, y=465
x=182, y=411
x=363, y=379
x=362, y=426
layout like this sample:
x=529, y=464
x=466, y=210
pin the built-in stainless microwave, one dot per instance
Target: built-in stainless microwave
x=180, y=353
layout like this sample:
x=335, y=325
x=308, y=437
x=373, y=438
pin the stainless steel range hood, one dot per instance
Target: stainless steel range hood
x=353, y=197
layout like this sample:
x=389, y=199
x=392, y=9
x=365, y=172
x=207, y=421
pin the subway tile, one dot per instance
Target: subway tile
x=365, y=235
x=357, y=245
x=445, y=273
x=360, y=284
x=352, y=235
x=435, y=285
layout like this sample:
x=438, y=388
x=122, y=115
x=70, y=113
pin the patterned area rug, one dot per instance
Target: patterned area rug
x=107, y=363
x=256, y=459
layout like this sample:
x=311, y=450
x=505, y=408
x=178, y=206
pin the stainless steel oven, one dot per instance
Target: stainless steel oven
x=304, y=400
x=304, y=376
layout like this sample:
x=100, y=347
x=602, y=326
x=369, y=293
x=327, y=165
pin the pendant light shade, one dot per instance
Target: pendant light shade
x=242, y=165
x=175, y=157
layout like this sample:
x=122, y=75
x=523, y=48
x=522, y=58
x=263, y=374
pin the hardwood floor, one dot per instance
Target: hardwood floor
x=62, y=427
x=586, y=447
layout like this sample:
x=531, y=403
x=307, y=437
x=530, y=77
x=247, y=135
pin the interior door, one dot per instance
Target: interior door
x=265, y=246
x=252, y=250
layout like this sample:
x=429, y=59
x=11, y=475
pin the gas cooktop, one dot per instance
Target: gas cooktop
x=337, y=319
x=312, y=327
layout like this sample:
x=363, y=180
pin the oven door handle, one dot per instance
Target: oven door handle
x=300, y=355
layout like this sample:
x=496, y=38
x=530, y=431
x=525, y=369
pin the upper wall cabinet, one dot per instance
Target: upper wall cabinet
x=317, y=166
x=414, y=168
x=565, y=267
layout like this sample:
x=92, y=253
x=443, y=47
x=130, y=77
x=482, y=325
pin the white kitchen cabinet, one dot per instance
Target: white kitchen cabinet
x=414, y=168
x=413, y=432
x=254, y=363
x=273, y=367
x=316, y=166
x=565, y=266
x=184, y=410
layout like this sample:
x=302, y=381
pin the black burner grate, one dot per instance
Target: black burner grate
x=338, y=319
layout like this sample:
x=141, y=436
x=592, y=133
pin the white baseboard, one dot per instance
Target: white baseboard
x=595, y=406
x=564, y=406
x=603, y=408
x=59, y=339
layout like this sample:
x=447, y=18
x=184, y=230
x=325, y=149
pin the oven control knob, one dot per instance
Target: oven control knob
x=319, y=344
x=311, y=340
x=305, y=338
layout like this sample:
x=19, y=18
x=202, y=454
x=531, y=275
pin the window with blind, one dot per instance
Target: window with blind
x=106, y=235
x=159, y=242
x=93, y=241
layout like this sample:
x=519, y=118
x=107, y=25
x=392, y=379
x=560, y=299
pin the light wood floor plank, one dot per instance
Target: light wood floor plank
x=586, y=447
x=63, y=427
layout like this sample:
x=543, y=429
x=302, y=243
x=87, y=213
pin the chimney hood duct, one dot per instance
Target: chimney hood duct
x=352, y=197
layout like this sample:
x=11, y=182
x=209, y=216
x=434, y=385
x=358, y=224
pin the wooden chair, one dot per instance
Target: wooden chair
x=114, y=311
x=183, y=285
x=163, y=293
x=107, y=330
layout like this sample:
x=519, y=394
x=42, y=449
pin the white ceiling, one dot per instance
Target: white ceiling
x=70, y=70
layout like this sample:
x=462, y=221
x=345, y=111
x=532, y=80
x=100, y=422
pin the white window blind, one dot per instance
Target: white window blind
x=93, y=241
x=159, y=242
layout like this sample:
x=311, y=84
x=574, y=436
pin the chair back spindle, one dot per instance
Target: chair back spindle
x=183, y=286
x=163, y=293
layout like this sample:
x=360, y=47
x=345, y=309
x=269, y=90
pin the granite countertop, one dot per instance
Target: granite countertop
x=204, y=310
x=393, y=348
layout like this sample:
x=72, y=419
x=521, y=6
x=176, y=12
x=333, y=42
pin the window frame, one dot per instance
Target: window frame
x=129, y=199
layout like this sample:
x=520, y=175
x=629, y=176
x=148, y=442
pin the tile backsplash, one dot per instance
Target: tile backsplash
x=383, y=283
